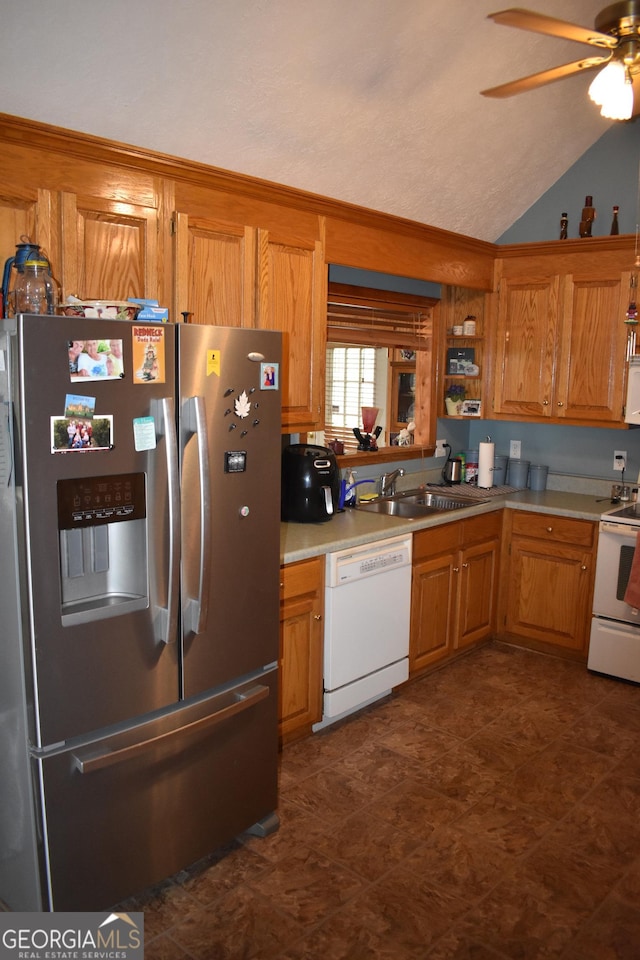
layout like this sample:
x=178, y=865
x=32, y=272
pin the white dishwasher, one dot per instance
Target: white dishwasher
x=366, y=625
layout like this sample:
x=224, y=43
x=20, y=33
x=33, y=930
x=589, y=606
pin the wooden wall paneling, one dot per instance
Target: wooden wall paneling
x=412, y=250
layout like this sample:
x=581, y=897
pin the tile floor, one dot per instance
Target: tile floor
x=489, y=811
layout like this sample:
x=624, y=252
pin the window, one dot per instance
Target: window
x=356, y=378
x=368, y=332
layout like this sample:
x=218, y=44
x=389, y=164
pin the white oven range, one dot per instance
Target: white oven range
x=614, y=647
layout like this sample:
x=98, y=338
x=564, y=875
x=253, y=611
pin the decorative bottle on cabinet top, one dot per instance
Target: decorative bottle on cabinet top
x=588, y=216
x=615, y=227
x=564, y=226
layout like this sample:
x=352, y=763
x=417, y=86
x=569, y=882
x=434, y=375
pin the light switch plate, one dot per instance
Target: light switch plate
x=515, y=449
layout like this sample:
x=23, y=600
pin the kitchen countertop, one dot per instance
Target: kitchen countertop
x=301, y=541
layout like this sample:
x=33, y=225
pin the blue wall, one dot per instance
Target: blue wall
x=608, y=171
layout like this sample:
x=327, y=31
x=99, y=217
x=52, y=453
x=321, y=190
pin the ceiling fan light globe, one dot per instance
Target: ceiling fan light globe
x=606, y=85
x=620, y=106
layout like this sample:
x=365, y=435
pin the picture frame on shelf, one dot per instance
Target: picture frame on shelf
x=471, y=408
x=459, y=360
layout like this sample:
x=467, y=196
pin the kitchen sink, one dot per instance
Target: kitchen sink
x=414, y=504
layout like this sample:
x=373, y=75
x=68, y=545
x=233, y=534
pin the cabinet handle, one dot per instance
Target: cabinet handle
x=549, y=529
x=560, y=403
x=583, y=567
x=317, y=616
x=464, y=566
x=545, y=403
x=456, y=569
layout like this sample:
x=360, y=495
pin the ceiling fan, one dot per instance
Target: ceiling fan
x=616, y=36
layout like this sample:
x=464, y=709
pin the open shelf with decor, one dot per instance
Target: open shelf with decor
x=463, y=318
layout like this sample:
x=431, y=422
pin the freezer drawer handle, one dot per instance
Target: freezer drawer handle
x=108, y=758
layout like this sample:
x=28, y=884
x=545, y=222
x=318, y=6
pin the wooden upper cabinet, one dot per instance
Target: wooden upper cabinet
x=526, y=335
x=215, y=275
x=109, y=248
x=591, y=364
x=31, y=213
x=560, y=336
x=292, y=297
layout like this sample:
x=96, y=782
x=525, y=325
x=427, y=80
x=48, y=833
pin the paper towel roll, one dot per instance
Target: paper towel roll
x=485, y=464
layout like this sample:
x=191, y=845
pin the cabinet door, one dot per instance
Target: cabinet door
x=433, y=597
x=478, y=585
x=528, y=316
x=300, y=691
x=549, y=590
x=292, y=297
x=215, y=275
x=109, y=248
x=591, y=367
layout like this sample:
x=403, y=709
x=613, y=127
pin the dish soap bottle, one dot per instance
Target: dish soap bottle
x=350, y=493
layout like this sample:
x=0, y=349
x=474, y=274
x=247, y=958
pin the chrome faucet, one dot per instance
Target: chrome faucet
x=388, y=482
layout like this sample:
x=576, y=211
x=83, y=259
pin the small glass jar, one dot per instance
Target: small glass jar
x=34, y=291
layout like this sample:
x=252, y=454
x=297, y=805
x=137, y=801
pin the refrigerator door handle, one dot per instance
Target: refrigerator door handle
x=197, y=611
x=107, y=758
x=169, y=620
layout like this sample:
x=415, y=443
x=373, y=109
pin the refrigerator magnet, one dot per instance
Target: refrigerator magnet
x=95, y=360
x=269, y=376
x=144, y=433
x=148, y=354
x=77, y=434
x=213, y=362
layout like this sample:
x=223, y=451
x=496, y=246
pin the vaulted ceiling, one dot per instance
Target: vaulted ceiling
x=375, y=102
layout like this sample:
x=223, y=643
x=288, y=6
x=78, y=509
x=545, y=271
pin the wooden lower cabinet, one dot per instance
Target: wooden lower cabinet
x=548, y=587
x=301, y=633
x=454, y=588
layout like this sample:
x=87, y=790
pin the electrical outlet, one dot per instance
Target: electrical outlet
x=619, y=459
x=441, y=450
x=515, y=449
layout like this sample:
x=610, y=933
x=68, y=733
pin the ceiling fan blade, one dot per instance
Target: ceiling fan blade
x=546, y=76
x=539, y=23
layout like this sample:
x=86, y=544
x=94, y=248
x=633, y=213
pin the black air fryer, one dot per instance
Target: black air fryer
x=310, y=483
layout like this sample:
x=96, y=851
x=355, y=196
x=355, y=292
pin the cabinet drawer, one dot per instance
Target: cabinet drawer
x=300, y=578
x=482, y=528
x=435, y=540
x=546, y=526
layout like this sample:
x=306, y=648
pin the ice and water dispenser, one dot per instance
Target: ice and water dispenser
x=102, y=525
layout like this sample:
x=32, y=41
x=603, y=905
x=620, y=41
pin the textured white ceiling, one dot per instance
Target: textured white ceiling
x=375, y=102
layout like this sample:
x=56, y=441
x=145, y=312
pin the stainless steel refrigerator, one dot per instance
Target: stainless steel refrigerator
x=139, y=601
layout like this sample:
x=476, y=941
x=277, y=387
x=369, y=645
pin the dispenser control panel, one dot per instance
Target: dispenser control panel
x=89, y=501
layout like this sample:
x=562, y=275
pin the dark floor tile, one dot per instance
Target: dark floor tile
x=415, y=809
x=512, y=827
x=308, y=886
x=239, y=926
x=613, y=933
x=367, y=845
x=462, y=774
x=330, y=795
x=460, y=864
x=555, y=778
x=541, y=906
